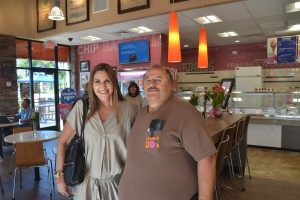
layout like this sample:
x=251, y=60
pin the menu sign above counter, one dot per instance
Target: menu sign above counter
x=283, y=50
x=287, y=49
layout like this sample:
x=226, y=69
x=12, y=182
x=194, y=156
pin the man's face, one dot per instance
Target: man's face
x=25, y=104
x=157, y=87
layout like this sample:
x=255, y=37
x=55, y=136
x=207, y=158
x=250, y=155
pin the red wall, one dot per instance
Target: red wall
x=224, y=57
x=221, y=58
x=107, y=52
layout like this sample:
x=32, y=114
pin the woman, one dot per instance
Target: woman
x=133, y=97
x=109, y=121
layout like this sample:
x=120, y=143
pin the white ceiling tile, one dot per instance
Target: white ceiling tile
x=254, y=20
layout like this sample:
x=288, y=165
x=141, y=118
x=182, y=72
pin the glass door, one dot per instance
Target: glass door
x=44, y=97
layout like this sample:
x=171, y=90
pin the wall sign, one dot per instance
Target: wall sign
x=287, y=49
x=68, y=95
x=125, y=6
x=77, y=11
x=84, y=66
x=283, y=50
x=43, y=9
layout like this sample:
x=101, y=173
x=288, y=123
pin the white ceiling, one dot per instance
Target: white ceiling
x=253, y=20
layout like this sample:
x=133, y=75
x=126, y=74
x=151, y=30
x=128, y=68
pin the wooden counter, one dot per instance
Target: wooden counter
x=215, y=126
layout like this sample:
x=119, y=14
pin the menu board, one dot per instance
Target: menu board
x=287, y=49
x=283, y=50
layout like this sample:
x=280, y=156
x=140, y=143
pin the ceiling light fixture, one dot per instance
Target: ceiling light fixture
x=228, y=34
x=140, y=29
x=202, y=50
x=295, y=27
x=292, y=7
x=208, y=19
x=174, y=51
x=56, y=13
x=91, y=38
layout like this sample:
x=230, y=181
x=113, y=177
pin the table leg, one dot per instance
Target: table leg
x=37, y=173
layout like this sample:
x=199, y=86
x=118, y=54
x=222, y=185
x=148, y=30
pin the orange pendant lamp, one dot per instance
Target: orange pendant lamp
x=174, y=52
x=202, y=50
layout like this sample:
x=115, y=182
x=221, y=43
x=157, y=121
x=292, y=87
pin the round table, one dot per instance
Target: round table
x=39, y=136
x=30, y=136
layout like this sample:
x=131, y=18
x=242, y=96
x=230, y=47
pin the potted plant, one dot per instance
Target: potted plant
x=194, y=99
x=217, y=95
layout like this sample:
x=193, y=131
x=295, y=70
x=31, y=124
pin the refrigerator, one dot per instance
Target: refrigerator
x=247, y=79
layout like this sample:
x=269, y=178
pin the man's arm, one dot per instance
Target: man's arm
x=207, y=177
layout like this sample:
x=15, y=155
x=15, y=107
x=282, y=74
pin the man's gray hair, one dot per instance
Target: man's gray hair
x=168, y=72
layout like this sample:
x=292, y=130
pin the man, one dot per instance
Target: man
x=170, y=157
x=25, y=114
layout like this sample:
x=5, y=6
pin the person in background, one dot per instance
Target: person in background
x=170, y=156
x=134, y=97
x=108, y=123
x=24, y=115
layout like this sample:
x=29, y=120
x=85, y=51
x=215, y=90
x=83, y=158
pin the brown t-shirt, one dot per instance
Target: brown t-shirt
x=162, y=165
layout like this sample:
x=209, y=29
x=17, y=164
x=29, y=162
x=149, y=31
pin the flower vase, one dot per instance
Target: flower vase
x=217, y=112
x=34, y=130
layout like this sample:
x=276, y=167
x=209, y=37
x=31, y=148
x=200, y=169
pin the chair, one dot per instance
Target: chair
x=237, y=146
x=31, y=154
x=17, y=130
x=220, y=163
x=244, y=137
x=224, y=152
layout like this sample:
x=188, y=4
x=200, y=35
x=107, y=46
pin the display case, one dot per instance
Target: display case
x=275, y=116
x=266, y=104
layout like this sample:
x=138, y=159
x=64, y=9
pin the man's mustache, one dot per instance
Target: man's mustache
x=152, y=88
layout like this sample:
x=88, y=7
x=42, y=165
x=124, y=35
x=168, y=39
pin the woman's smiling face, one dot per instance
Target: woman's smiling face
x=103, y=86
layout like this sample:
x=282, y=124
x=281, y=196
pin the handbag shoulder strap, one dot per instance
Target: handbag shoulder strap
x=85, y=102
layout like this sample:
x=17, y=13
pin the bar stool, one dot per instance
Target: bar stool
x=225, y=153
x=220, y=163
x=244, y=137
x=236, y=148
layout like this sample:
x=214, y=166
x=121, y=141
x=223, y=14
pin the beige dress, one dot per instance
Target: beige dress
x=105, y=146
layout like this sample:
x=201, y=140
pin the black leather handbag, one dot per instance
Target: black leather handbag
x=74, y=167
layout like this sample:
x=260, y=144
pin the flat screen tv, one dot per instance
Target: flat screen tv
x=134, y=52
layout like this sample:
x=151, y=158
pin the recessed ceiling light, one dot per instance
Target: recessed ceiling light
x=140, y=29
x=295, y=27
x=228, y=34
x=186, y=45
x=145, y=29
x=91, y=38
x=208, y=19
x=232, y=33
x=292, y=7
x=237, y=41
